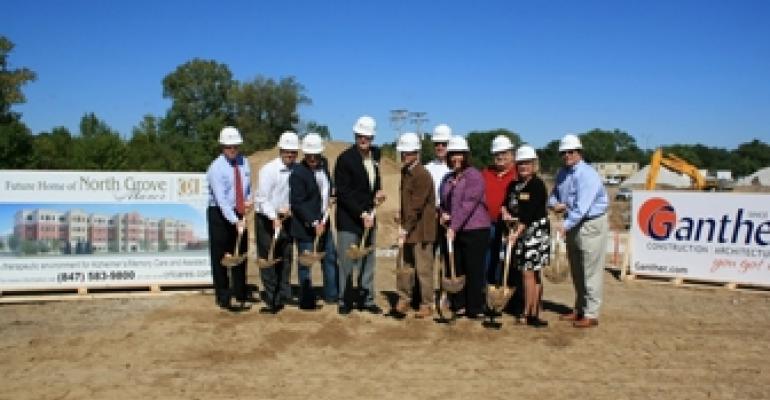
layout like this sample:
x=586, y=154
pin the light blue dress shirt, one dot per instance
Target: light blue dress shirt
x=222, y=184
x=580, y=188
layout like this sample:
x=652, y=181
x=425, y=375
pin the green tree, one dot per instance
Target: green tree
x=98, y=146
x=749, y=157
x=320, y=129
x=16, y=146
x=549, y=158
x=148, y=150
x=480, y=143
x=264, y=108
x=53, y=150
x=11, y=81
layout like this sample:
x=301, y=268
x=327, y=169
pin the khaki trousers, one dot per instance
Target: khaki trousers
x=419, y=256
x=586, y=251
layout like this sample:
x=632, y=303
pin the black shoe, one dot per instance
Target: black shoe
x=372, y=309
x=343, y=309
x=271, y=309
x=536, y=322
x=223, y=303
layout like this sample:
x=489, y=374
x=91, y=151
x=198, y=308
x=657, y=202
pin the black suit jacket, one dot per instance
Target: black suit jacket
x=305, y=201
x=354, y=194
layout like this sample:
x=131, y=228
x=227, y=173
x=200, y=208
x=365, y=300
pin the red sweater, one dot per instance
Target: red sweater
x=496, y=188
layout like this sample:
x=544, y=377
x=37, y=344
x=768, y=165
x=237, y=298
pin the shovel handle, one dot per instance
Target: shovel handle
x=451, y=251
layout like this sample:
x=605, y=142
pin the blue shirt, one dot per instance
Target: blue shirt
x=221, y=180
x=580, y=188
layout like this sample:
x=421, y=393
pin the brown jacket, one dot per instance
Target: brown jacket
x=418, y=205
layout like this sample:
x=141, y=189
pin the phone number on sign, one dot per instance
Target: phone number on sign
x=90, y=276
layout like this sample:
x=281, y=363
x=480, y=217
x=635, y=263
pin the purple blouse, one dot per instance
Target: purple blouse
x=464, y=200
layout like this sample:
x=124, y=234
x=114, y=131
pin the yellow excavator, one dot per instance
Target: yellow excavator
x=676, y=164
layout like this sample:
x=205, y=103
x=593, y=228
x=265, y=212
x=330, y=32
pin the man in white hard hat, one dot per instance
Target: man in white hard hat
x=417, y=226
x=229, y=179
x=580, y=195
x=274, y=214
x=308, y=198
x=497, y=177
x=359, y=188
x=438, y=170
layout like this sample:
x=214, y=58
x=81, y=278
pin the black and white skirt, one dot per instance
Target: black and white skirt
x=533, y=248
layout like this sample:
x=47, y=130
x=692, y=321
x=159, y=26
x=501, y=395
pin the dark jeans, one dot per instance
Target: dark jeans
x=222, y=235
x=330, y=272
x=469, y=249
x=305, y=278
x=275, y=279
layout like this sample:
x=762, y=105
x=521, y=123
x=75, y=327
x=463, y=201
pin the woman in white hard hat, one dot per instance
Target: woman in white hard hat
x=525, y=201
x=464, y=213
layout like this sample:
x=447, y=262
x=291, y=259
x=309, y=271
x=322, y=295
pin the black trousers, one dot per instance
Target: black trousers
x=222, y=236
x=275, y=279
x=470, y=247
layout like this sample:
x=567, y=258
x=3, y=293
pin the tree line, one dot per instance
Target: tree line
x=205, y=96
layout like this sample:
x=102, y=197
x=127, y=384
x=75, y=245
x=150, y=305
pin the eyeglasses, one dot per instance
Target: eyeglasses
x=561, y=153
x=230, y=147
x=364, y=137
x=439, y=144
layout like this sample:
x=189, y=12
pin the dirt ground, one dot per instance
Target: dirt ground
x=654, y=341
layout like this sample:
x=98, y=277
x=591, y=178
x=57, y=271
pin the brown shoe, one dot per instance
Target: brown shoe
x=572, y=317
x=402, y=306
x=424, y=312
x=586, y=323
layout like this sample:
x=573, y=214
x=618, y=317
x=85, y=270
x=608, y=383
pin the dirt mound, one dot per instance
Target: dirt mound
x=386, y=232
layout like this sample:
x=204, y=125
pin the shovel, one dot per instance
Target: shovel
x=232, y=260
x=404, y=276
x=498, y=295
x=271, y=260
x=452, y=283
x=357, y=252
x=442, y=301
x=314, y=258
x=557, y=270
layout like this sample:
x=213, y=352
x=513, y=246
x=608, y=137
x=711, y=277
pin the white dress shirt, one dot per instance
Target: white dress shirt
x=438, y=170
x=273, y=192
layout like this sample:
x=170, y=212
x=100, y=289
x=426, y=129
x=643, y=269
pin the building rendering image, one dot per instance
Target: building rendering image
x=77, y=232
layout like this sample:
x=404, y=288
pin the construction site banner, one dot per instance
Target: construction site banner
x=722, y=237
x=88, y=229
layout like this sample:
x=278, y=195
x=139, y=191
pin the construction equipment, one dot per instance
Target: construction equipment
x=679, y=165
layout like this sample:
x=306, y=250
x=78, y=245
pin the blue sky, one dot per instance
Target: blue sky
x=665, y=71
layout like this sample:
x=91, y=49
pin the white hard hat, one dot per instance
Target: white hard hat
x=409, y=142
x=441, y=133
x=526, y=152
x=365, y=125
x=229, y=136
x=570, y=142
x=501, y=143
x=288, y=141
x=457, y=143
x=312, y=143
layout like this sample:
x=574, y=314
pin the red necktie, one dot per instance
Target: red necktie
x=240, y=208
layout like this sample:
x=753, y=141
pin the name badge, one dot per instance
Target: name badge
x=524, y=196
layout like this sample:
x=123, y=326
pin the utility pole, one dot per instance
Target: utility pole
x=418, y=118
x=397, y=119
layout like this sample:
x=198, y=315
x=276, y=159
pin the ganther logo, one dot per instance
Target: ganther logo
x=656, y=218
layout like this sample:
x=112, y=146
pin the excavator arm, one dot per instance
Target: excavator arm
x=675, y=164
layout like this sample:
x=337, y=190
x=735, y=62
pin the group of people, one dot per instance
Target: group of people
x=448, y=208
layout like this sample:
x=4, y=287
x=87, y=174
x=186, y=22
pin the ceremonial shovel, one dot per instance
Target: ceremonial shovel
x=271, y=260
x=498, y=296
x=357, y=252
x=233, y=260
x=313, y=259
x=556, y=271
x=452, y=283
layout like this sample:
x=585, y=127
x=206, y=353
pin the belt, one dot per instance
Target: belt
x=591, y=218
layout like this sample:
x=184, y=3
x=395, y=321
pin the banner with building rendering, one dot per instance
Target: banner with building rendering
x=87, y=229
x=722, y=237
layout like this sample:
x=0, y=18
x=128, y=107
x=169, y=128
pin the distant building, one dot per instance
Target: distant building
x=615, y=172
x=98, y=233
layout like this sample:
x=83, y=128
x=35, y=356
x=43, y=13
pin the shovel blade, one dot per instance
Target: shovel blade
x=497, y=297
x=267, y=262
x=453, y=285
x=232, y=261
x=355, y=253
